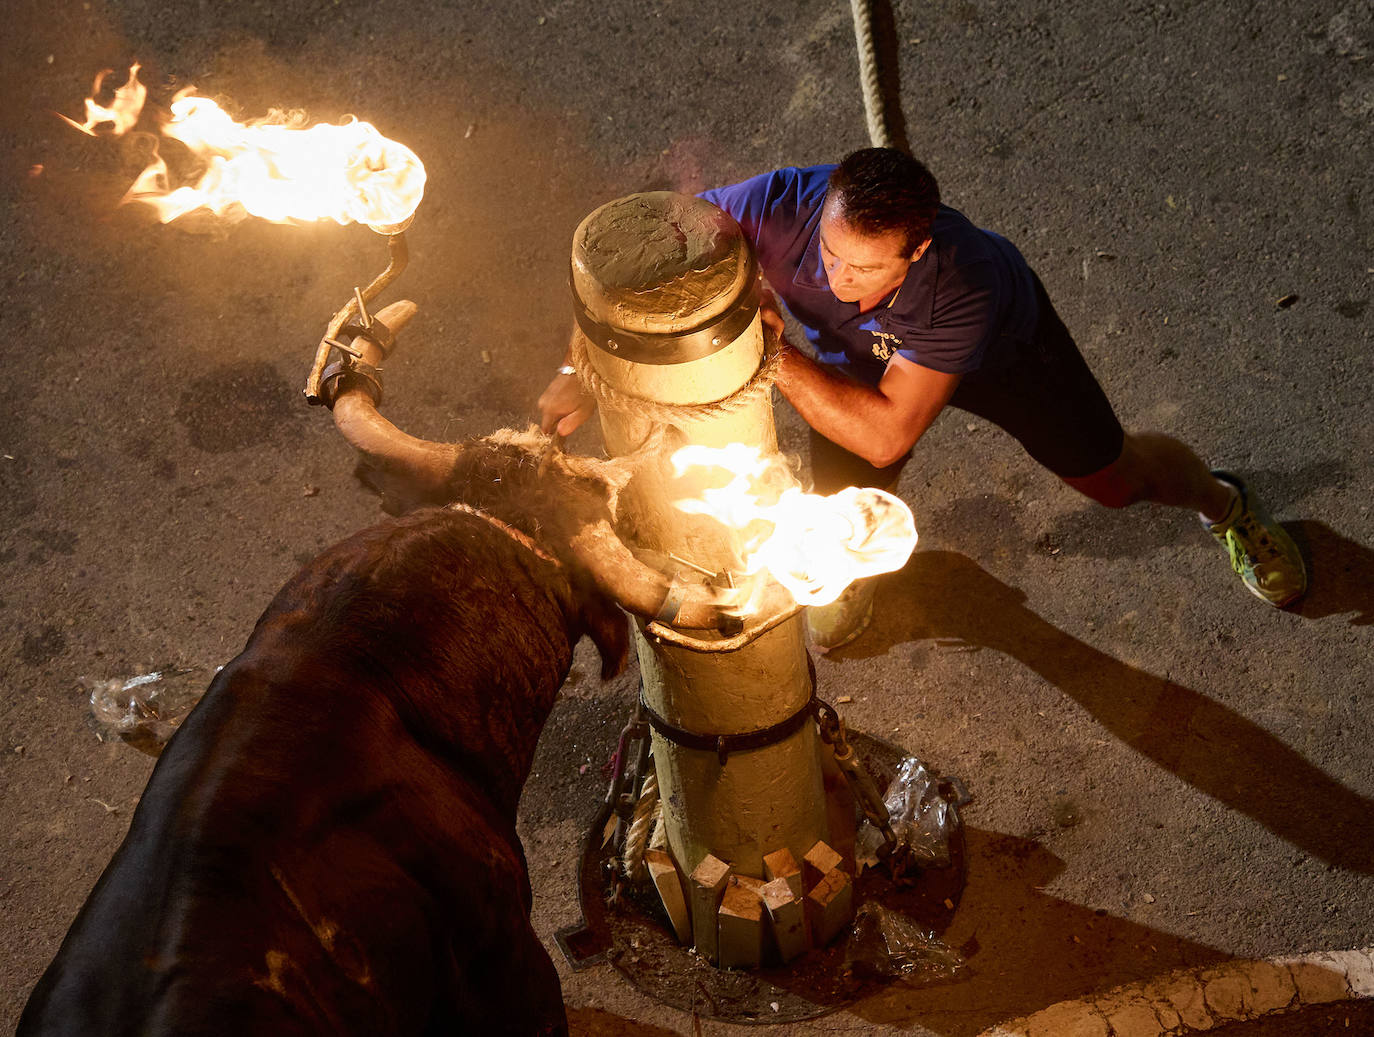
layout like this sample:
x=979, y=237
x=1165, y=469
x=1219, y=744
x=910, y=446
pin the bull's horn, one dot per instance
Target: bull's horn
x=641, y=589
x=420, y=468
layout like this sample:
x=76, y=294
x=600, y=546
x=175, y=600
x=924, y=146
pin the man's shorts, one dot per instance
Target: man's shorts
x=1043, y=395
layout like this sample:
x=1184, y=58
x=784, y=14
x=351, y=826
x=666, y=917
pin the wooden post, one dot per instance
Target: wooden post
x=819, y=861
x=788, y=917
x=664, y=287
x=780, y=864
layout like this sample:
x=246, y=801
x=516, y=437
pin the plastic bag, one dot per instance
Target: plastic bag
x=920, y=816
x=144, y=710
x=884, y=945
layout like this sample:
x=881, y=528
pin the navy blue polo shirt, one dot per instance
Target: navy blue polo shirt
x=962, y=307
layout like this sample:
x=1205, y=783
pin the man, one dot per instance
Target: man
x=909, y=307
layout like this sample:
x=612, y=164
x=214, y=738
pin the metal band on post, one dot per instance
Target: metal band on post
x=678, y=347
x=724, y=745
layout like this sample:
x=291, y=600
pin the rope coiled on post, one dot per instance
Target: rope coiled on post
x=637, y=839
x=758, y=387
x=875, y=112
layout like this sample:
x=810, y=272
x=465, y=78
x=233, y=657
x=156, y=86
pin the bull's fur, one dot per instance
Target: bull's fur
x=513, y=474
x=328, y=843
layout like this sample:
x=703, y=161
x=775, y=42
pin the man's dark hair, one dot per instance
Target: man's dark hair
x=881, y=190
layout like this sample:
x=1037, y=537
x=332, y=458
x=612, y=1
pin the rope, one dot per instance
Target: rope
x=747, y=395
x=637, y=839
x=875, y=112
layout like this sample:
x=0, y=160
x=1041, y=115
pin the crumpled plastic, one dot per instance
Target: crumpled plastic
x=144, y=711
x=920, y=816
x=886, y=945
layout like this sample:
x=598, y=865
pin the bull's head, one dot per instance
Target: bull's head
x=565, y=502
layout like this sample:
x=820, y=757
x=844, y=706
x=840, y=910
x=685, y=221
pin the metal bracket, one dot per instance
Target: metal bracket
x=349, y=373
x=399, y=255
x=582, y=947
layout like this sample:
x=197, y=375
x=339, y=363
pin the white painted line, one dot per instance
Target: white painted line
x=1190, y=1000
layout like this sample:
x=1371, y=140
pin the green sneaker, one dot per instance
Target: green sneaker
x=845, y=618
x=1262, y=554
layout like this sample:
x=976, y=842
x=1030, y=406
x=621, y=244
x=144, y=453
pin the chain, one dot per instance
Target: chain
x=832, y=731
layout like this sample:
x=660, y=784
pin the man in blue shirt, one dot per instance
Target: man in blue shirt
x=909, y=307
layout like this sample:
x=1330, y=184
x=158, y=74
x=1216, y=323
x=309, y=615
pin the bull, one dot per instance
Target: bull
x=328, y=844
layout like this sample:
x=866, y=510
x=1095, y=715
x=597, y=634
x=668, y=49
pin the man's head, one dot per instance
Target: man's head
x=877, y=217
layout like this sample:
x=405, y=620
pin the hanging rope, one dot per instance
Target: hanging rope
x=875, y=112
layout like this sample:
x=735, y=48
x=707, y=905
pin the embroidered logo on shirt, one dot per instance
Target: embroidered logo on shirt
x=884, y=344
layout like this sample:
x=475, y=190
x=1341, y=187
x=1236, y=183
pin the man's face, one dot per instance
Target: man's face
x=858, y=265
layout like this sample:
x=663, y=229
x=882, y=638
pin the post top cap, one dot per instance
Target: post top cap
x=659, y=263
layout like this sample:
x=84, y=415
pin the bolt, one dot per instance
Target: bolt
x=362, y=307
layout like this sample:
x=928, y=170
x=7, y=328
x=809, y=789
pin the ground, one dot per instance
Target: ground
x=1168, y=773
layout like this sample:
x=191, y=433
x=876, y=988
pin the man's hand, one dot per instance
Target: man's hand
x=563, y=406
x=769, y=313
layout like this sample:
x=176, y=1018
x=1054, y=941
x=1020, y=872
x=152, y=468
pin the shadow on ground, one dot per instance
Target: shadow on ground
x=1025, y=948
x=947, y=597
x=1341, y=574
x=1347, y=1017
x=597, y=1022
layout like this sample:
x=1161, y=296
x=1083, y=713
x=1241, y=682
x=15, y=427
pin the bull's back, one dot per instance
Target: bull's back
x=319, y=850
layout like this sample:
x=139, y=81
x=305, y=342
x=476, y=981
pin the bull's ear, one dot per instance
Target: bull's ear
x=609, y=629
x=397, y=492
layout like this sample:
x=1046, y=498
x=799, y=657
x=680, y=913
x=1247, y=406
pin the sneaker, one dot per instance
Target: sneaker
x=1261, y=553
x=844, y=619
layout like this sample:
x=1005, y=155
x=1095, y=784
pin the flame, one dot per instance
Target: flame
x=813, y=545
x=273, y=167
x=123, y=111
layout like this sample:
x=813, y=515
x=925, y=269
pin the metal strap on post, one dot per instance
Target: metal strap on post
x=724, y=745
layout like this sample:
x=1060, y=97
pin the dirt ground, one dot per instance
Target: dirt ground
x=1166, y=771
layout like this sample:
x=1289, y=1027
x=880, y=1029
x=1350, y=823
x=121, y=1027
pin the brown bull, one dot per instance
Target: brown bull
x=328, y=843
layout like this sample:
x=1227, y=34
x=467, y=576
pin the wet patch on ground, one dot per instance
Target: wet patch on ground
x=237, y=406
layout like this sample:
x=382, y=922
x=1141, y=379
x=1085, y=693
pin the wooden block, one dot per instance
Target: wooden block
x=705, y=889
x=750, y=883
x=740, y=934
x=819, y=861
x=665, y=878
x=829, y=906
x=787, y=917
x=780, y=864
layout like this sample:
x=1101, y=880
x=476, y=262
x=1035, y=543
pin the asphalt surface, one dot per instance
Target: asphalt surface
x=1168, y=773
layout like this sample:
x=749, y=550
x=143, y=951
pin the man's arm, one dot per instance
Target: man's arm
x=879, y=424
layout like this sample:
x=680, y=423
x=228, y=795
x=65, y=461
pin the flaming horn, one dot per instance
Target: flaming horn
x=278, y=169
x=431, y=472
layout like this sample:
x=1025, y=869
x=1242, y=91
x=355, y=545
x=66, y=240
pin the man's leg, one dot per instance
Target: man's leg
x=1160, y=469
x=1047, y=397
x=1157, y=468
